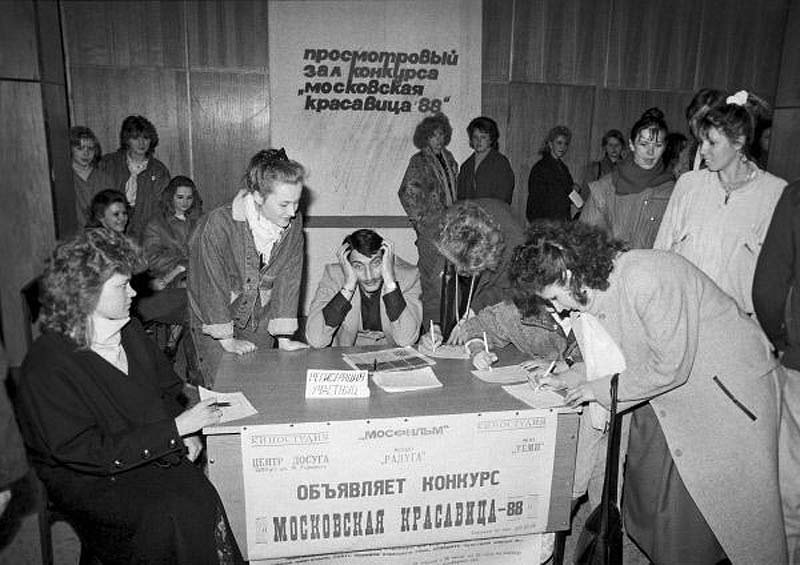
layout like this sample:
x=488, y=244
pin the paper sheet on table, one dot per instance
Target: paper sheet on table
x=239, y=407
x=537, y=397
x=443, y=351
x=502, y=375
x=384, y=360
x=405, y=381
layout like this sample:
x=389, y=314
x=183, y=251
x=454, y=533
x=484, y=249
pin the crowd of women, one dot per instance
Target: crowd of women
x=644, y=269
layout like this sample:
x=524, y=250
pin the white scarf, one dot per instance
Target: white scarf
x=132, y=187
x=265, y=233
x=106, y=341
x=601, y=355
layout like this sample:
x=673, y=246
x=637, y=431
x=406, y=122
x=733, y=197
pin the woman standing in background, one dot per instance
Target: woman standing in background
x=87, y=179
x=135, y=171
x=550, y=185
x=630, y=202
x=487, y=172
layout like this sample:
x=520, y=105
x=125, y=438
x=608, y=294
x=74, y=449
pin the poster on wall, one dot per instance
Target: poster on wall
x=349, y=82
x=331, y=487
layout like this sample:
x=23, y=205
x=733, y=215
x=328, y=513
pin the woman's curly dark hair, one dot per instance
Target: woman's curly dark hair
x=471, y=239
x=428, y=126
x=74, y=277
x=552, y=248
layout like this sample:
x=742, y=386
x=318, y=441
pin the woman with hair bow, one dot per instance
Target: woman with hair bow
x=245, y=266
x=717, y=217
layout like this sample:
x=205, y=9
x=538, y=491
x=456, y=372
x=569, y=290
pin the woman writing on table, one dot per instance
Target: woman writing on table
x=701, y=481
x=245, y=265
x=102, y=415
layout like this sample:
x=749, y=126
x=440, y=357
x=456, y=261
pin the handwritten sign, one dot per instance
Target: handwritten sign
x=321, y=383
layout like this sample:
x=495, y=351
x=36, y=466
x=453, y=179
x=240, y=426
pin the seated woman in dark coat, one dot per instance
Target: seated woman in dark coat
x=101, y=414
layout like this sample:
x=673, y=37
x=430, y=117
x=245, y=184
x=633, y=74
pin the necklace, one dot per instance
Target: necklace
x=735, y=184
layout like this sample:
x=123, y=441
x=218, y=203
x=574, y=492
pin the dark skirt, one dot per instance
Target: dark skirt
x=659, y=513
x=152, y=514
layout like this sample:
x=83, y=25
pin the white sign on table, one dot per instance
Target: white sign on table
x=327, y=383
x=329, y=487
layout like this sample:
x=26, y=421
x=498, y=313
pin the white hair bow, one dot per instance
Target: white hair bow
x=740, y=98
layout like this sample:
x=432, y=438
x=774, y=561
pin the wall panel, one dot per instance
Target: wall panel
x=18, y=59
x=534, y=110
x=103, y=97
x=653, y=45
x=497, y=32
x=741, y=45
x=560, y=41
x=783, y=155
x=126, y=33
x=789, y=81
x=25, y=202
x=229, y=35
x=230, y=122
x=494, y=104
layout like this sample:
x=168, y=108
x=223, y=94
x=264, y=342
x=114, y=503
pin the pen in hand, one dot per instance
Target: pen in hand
x=221, y=404
x=536, y=383
x=486, y=349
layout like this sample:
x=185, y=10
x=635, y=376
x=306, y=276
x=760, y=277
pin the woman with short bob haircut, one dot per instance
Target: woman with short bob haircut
x=87, y=178
x=108, y=209
x=104, y=418
x=246, y=264
x=701, y=474
x=487, y=172
x=136, y=172
x=550, y=182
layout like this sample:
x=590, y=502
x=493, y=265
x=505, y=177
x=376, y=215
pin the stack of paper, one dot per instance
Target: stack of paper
x=405, y=381
x=234, y=405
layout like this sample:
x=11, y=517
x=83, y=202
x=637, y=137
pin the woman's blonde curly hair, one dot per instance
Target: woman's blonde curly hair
x=74, y=277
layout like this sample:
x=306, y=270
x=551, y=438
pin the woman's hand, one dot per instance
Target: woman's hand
x=286, y=344
x=158, y=284
x=537, y=368
x=350, y=277
x=237, y=346
x=578, y=395
x=570, y=378
x=457, y=335
x=430, y=341
x=483, y=360
x=194, y=446
x=204, y=413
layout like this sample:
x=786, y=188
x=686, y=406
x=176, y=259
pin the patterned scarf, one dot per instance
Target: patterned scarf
x=131, y=187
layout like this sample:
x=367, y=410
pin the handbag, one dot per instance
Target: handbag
x=600, y=542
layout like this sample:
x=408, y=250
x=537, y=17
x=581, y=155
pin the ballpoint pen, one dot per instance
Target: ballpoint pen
x=221, y=404
x=433, y=343
x=486, y=348
x=536, y=383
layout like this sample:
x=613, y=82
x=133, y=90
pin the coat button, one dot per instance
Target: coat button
x=117, y=463
x=173, y=443
x=146, y=454
x=601, y=316
x=678, y=452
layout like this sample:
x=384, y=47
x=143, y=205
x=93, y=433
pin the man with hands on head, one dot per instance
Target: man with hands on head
x=370, y=296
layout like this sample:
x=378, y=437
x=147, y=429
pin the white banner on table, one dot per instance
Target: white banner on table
x=315, y=488
x=350, y=80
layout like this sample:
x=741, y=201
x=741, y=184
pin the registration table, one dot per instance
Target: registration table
x=274, y=382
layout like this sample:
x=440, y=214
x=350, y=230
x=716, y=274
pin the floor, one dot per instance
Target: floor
x=19, y=535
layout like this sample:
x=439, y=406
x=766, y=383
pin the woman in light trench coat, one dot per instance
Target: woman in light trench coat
x=701, y=479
